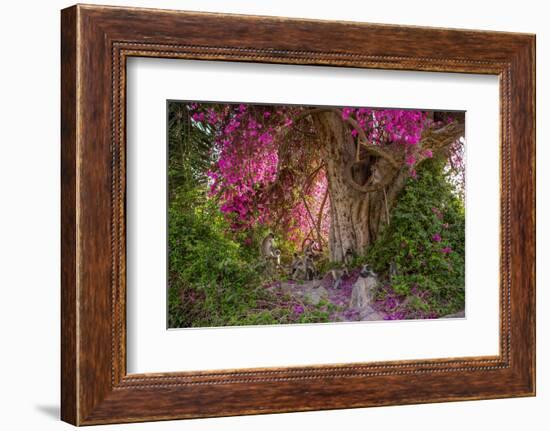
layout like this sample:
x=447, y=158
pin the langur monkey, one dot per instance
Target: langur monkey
x=302, y=267
x=268, y=250
x=277, y=255
x=348, y=257
x=338, y=273
x=364, y=289
x=268, y=246
x=295, y=265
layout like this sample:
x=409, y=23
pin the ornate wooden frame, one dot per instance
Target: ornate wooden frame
x=95, y=43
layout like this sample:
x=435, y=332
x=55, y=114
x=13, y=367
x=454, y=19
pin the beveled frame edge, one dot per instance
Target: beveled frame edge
x=96, y=41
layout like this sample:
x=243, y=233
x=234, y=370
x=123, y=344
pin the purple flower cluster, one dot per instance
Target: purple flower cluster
x=298, y=309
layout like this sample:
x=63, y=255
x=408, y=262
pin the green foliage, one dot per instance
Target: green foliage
x=216, y=276
x=425, y=239
x=189, y=148
x=207, y=271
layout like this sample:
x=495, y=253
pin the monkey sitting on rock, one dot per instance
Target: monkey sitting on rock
x=302, y=268
x=364, y=289
x=269, y=252
x=338, y=273
x=295, y=266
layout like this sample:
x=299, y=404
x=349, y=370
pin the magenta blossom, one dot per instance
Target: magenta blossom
x=346, y=112
x=298, y=309
x=391, y=303
x=436, y=237
x=446, y=250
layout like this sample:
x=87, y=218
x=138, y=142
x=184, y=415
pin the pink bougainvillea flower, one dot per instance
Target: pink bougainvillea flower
x=391, y=303
x=410, y=160
x=198, y=116
x=298, y=309
x=446, y=250
x=346, y=112
x=436, y=237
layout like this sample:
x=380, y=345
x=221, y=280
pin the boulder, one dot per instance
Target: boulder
x=369, y=313
x=287, y=287
x=316, y=294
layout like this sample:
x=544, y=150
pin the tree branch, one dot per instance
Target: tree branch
x=363, y=142
x=366, y=188
x=437, y=139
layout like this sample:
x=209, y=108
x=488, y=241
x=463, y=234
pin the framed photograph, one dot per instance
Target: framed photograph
x=265, y=215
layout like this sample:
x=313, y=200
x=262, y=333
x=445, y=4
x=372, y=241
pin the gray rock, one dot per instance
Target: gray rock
x=284, y=287
x=370, y=314
x=316, y=294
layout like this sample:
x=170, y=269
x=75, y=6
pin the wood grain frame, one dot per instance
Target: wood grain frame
x=95, y=44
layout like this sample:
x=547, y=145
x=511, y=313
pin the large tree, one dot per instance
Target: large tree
x=331, y=175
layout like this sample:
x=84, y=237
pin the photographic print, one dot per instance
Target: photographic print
x=290, y=214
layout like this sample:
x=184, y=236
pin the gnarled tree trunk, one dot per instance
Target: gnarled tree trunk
x=357, y=217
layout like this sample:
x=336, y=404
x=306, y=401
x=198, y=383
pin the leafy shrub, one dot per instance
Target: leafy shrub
x=216, y=277
x=425, y=240
x=209, y=277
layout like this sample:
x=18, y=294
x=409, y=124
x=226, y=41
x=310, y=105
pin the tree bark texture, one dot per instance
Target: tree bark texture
x=357, y=217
